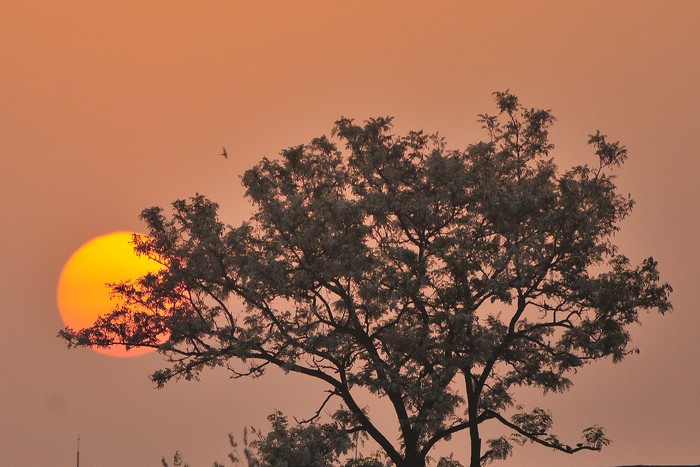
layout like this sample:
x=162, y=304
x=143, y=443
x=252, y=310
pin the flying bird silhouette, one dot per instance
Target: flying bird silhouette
x=224, y=153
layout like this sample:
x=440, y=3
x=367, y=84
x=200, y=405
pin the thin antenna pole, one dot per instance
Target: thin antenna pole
x=78, y=458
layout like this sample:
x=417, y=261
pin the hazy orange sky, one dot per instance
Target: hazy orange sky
x=110, y=107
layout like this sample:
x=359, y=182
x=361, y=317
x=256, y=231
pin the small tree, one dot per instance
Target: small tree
x=313, y=445
x=438, y=279
x=309, y=444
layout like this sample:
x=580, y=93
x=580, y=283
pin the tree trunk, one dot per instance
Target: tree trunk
x=418, y=462
x=475, y=441
x=412, y=457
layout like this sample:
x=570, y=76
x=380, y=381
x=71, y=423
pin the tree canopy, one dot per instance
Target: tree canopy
x=439, y=279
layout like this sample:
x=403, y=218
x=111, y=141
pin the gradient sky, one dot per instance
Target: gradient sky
x=110, y=107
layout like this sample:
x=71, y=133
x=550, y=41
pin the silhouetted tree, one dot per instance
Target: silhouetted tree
x=312, y=445
x=438, y=279
x=309, y=444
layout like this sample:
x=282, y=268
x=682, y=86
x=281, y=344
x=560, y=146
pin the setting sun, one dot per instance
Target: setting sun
x=83, y=294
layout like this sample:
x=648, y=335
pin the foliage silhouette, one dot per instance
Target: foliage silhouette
x=438, y=279
x=309, y=444
x=313, y=445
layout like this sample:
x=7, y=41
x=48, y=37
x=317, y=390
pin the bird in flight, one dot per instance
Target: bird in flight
x=224, y=153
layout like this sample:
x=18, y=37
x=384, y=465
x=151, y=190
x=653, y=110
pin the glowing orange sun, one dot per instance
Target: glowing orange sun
x=83, y=295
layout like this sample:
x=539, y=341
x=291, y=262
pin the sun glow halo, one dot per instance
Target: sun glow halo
x=83, y=295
